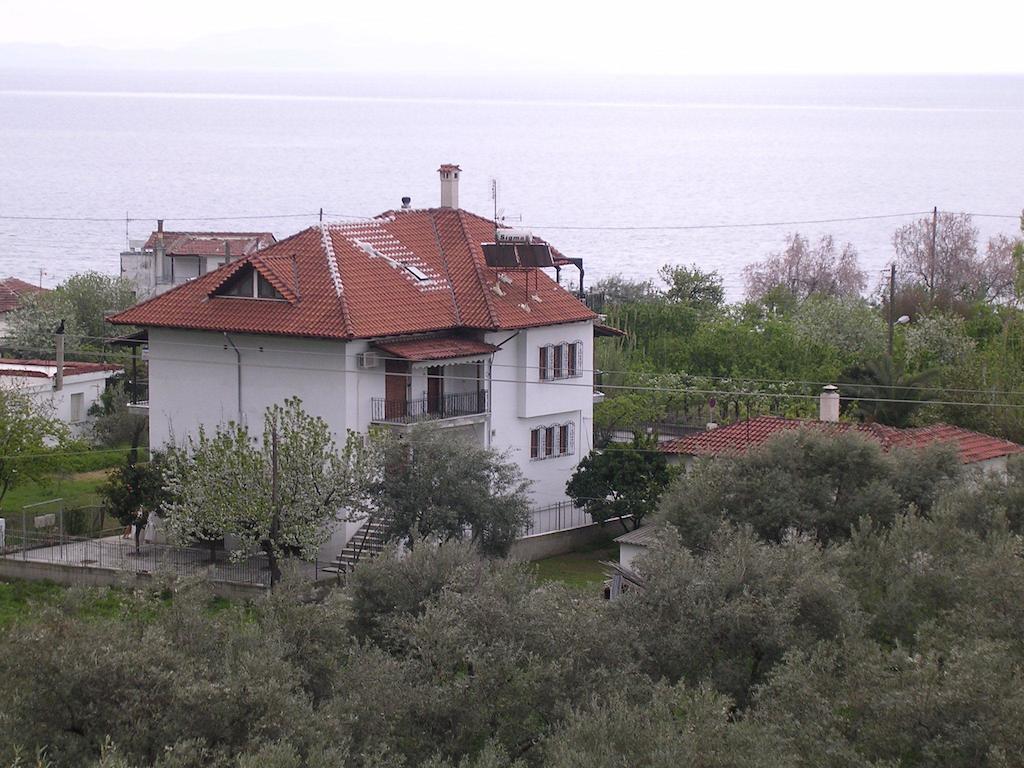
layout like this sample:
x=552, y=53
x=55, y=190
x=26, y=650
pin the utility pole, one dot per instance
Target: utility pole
x=58, y=376
x=931, y=260
x=275, y=516
x=892, y=301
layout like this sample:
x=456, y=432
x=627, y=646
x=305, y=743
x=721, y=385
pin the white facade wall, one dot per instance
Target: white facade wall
x=194, y=381
x=86, y=388
x=521, y=402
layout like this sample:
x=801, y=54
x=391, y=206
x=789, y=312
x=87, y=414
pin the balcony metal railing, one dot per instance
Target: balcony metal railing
x=427, y=408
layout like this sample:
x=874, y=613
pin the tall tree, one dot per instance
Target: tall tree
x=623, y=482
x=27, y=430
x=82, y=301
x=280, y=495
x=692, y=287
x=802, y=270
x=435, y=484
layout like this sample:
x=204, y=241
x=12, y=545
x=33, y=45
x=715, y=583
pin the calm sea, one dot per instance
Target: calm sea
x=570, y=157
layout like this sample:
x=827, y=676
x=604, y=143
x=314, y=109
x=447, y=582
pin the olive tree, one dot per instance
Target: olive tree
x=280, y=495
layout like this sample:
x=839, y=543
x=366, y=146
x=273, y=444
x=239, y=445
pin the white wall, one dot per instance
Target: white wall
x=194, y=380
x=628, y=553
x=89, y=385
x=521, y=402
x=140, y=268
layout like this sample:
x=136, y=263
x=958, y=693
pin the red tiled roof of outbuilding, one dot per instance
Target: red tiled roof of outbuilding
x=210, y=243
x=741, y=436
x=12, y=290
x=404, y=272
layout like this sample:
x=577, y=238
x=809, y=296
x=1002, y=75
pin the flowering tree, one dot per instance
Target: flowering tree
x=279, y=495
x=803, y=270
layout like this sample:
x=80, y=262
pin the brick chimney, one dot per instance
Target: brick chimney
x=449, y=185
x=828, y=409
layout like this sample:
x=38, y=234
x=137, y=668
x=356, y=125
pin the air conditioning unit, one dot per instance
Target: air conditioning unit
x=366, y=360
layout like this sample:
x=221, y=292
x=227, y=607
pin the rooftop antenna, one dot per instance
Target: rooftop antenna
x=494, y=198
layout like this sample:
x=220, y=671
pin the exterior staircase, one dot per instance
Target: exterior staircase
x=367, y=542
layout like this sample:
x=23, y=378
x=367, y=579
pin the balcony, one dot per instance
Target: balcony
x=456, y=405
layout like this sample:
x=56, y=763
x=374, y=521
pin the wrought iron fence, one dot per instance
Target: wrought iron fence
x=425, y=408
x=562, y=516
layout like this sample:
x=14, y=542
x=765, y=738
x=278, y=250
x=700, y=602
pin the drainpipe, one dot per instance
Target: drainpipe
x=238, y=357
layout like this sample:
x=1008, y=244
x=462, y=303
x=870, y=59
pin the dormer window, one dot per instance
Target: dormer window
x=249, y=284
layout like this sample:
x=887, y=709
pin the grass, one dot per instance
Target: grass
x=581, y=569
x=77, y=490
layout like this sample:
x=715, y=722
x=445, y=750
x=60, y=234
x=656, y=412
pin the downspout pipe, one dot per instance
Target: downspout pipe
x=238, y=357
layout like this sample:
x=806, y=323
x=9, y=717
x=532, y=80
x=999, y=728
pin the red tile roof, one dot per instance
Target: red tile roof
x=210, y=243
x=12, y=366
x=743, y=435
x=12, y=290
x=441, y=348
x=404, y=272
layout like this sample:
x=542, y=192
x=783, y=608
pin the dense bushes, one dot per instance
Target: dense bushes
x=897, y=646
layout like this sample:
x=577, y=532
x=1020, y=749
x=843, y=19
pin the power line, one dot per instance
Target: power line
x=567, y=227
x=704, y=391
x=518, y=366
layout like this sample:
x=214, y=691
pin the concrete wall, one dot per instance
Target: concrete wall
x=558, y=543
x=85, y=576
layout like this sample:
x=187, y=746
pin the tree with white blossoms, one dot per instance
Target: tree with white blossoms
x=280, y=495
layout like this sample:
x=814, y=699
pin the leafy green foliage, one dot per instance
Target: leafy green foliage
x=82, y=301
x=692, y=287
x=898, y=646
x=133, y=487
x=435, y=485
x=623, y=481
x=807, y=481
x=27, y=430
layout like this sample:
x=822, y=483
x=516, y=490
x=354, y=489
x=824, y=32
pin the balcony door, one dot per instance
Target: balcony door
x=435, y=390
x=396, y=389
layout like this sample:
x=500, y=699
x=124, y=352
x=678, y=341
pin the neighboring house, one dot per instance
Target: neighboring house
x=82, y=385
x=976, y=449
x=167, y=259
x=390, y=321
x=12, y=292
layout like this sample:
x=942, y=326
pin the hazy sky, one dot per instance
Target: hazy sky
x=780, y=36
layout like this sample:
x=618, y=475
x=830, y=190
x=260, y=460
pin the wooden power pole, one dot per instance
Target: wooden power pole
x=892, y=301
x=931, y=255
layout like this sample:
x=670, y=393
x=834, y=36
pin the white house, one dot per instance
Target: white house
x=82, y=385
x=391, y=321
x=167, y=259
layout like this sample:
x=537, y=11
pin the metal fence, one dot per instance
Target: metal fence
x=425, y=408
x=113, y=552
x=562, y=516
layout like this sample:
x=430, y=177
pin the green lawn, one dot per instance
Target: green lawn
x=77, y=490
x=581, y=569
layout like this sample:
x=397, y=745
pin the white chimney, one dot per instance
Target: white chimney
x=829, y=408
x=449, y=185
